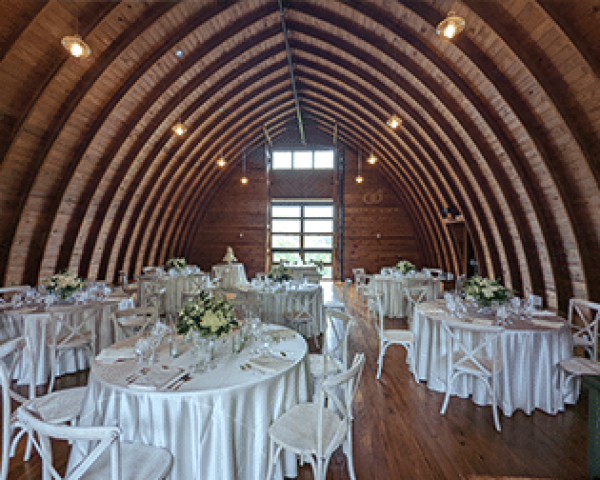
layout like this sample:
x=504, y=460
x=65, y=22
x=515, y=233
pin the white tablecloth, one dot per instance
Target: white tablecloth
x=394, y=303
x=276, y=304
x=31, y=322
x=233, y=275
x=297, y=271
x=215, y=425
x=530, y=357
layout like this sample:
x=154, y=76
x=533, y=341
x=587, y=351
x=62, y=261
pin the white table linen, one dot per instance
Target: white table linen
x=32, y=323
x=531, y=353
x=232, y=275
x=297, y=271
x=394, y=303
x=276, y=305
x=216, y=424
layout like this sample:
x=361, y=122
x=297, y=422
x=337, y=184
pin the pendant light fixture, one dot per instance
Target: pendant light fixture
x=359, y=177
x=244, y=179
x=372, y=159
x=451, y=26
x=179, y=128
x=394, y=122
x=75, y=45
x=221, y=161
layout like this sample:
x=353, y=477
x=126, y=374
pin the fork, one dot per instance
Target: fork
x=135, y=375
x=177, y=385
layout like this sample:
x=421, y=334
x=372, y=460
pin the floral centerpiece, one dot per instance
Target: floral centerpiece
x=485, y=291
x=64, y=284
x=175, y=263
x=229, y=256
x=319, y=264
x=404, y=267
x=279, y=273
x=207, y=315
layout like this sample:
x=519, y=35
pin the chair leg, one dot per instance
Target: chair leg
x=275, y=451
x=347, y=449
x=382, y=348
x=447, y=396
x=495, y=406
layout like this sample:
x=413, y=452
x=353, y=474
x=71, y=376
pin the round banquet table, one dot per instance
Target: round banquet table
x=531, y=352
x=31, y=322
x=216, y=424
x=232, y=275
x=281, y=300
x=394, y=303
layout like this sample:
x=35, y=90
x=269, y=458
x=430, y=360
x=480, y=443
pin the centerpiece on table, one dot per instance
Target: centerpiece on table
x=404, y=267
x=485, y=291
x=319, y=264
x=64, y=284
x=207, y=315
x=229, y=256
x=176, y=264
x=279, y=273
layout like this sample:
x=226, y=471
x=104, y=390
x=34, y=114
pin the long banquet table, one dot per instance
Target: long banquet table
x=531, y=352
x=216, y=424
x=394, y=303
x=32, y=321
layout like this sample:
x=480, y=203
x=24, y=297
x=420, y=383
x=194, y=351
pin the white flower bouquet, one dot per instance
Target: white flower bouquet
x=207, y=315
x=485, y=291
x=404, y=267
x=175, y=263
x=279, y=273
x=64, y=284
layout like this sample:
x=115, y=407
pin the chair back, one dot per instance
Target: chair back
x=414, y=295
x=375, y=306
x=459, y=282
x=197, y=282
x=73, y=326
x=337, y=332
x=337, y=393
x=347, y=285
x=301, y=310
x=133, y=321
x=150, y=291
x=11, y=354
x=584, y=320
x=107, y=438
x=473, y=348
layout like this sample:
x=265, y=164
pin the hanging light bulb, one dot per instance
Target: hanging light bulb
x=244, y=179
x=372, y=159
x=451, y=26
x=359, y=177
x=394, y=122
x=221, y=161
x=75, y=45
x=179, y=128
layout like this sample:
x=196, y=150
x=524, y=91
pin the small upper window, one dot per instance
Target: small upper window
x=303, y=160
x=282, y=160
x=323, y=159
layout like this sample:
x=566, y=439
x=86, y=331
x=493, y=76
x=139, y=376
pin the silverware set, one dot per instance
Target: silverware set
x=178, y=383
x=135, y=375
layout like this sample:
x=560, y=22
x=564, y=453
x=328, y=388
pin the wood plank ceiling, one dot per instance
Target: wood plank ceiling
x=503, y=123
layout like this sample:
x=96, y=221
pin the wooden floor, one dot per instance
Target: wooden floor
x=399, y=433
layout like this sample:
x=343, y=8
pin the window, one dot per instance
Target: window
x=303, y=231
x=303, y=160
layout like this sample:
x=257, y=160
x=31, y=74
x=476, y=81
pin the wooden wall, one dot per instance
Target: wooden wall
x=236, y=217
x=377, y=228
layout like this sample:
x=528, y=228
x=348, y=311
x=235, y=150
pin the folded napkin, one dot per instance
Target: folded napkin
x=109, y=355
x=547, y=323
x=543, y=313
x=268, y=364
x=156, y=377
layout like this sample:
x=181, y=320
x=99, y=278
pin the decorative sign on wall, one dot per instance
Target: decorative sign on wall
x=373, y=198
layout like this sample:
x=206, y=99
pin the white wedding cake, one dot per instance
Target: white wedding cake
x=229, y=256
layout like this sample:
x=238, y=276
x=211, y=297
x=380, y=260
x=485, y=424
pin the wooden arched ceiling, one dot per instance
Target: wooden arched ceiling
x=503, y=123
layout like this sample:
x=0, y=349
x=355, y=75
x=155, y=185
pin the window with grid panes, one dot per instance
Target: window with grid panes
x=303, y=231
